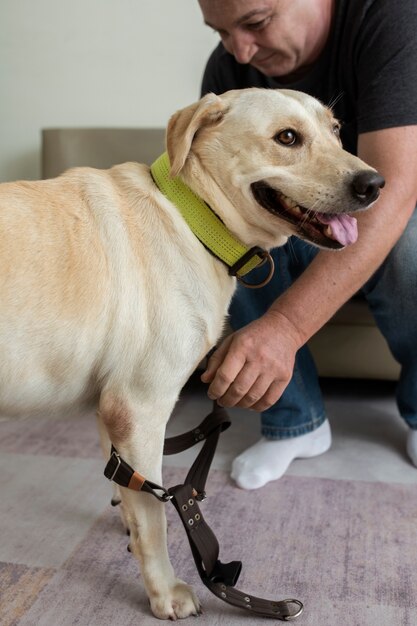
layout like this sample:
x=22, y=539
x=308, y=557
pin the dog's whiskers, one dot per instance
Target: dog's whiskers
x=335, y=100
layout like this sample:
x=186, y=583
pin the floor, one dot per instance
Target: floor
x=52, y=492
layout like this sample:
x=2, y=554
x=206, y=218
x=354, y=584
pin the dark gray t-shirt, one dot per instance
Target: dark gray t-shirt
x=369, y=66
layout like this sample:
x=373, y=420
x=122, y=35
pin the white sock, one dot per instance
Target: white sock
x=412, y=445
x=269, y=459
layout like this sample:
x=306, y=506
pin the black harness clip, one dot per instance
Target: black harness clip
x=226, y=573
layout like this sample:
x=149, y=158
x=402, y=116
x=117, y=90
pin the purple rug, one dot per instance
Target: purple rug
x=347, y=550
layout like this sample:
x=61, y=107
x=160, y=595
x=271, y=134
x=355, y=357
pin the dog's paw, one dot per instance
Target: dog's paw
x=179, y=601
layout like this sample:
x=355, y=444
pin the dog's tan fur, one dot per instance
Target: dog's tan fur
x=108, y=297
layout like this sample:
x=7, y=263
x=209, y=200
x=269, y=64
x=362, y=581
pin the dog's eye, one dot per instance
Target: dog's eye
x=336, y=129
x=287, y=137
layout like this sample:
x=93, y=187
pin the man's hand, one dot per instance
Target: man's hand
x=252, y=367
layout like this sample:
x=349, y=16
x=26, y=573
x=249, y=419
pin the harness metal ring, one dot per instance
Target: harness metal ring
x=267, y=258
x=288, y=618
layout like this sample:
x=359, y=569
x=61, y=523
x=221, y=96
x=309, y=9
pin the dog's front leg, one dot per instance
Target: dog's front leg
x=169, y=596
x=140, y=442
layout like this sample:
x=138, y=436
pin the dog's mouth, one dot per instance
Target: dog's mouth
x=328, y=230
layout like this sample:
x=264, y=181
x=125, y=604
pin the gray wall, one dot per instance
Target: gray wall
x=93, y=63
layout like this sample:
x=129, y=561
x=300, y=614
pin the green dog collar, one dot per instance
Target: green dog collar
x=205, y=224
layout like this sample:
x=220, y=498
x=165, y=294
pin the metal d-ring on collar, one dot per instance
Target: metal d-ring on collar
x=256, y=251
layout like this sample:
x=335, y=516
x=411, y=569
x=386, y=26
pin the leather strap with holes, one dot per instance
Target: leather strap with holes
x=220, y=578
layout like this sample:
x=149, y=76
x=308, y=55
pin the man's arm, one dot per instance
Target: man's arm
x=252, y=367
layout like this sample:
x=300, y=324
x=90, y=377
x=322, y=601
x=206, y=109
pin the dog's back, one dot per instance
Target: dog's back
x=91, y=272
x=52, y=260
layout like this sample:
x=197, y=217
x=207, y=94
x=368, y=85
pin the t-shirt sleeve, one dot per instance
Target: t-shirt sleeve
x=386, y=66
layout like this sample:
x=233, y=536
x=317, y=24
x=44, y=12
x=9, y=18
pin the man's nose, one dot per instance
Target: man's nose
x=243, y=46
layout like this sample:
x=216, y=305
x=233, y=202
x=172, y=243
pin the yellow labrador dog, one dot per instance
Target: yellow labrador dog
x=107, y=296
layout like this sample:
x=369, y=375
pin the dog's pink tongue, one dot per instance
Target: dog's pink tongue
x=344, y=227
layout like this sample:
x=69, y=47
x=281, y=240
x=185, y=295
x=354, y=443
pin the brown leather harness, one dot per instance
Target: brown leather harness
x=219, y=577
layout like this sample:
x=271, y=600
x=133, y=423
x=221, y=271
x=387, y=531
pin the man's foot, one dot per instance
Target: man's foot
x=412, y=445
x=269, y=459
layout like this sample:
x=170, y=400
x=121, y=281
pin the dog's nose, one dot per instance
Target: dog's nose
x=366, y=185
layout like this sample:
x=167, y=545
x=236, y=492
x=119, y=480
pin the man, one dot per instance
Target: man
x=360, y=56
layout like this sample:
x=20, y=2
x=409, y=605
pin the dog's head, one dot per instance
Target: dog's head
x=270, y=164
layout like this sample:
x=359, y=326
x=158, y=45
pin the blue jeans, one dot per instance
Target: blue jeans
x=391, y=294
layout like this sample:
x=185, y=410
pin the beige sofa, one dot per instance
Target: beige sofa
x=348, y=346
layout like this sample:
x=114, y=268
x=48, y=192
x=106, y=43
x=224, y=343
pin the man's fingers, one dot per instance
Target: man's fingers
x=221, y=383
x=254, y=393
x=246, y=373
x=271, y=395
x=250, y=391
x=214, y=362
x=227, y=366
x=259, y=396
x=240, y=387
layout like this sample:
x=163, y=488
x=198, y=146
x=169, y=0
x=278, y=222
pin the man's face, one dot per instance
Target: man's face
x=277, y=37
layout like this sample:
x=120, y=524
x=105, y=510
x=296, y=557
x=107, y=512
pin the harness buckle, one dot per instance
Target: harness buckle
x=166, y=497
x=226, y=573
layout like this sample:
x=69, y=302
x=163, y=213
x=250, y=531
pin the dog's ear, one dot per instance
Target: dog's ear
x=184, y=125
